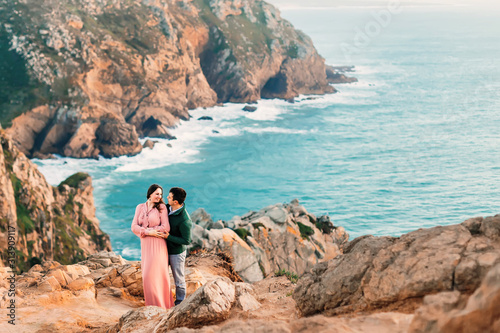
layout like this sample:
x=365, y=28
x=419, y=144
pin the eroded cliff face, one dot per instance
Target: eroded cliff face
x=48, y=223
x=89, y=77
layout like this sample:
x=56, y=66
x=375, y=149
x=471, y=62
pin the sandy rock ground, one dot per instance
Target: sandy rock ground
x=65, y=311
x=99, y=309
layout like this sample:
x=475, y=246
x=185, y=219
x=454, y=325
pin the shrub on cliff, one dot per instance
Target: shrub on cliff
x=74, y=180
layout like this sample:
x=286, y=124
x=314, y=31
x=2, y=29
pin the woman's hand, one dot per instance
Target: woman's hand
x=155, y=233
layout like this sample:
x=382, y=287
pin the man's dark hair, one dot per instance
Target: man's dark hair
x=178, y=194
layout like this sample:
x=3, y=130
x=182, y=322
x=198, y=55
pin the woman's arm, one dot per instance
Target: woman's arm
x=136, y=228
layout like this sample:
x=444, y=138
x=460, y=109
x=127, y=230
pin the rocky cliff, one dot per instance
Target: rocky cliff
x=46, y=223
x=374, y=272
x=281, y=237
x=84, y=78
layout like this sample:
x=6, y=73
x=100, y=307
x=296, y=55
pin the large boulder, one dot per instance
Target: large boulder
x=201, y=218
x=246, y=298
x=377, y=271
x=227, y=241
x=142, y=320
x=116, y=138
x=451, y=311
x=210, y=304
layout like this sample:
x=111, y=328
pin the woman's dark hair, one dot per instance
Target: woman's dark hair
x=178, y=194
x=153, y=188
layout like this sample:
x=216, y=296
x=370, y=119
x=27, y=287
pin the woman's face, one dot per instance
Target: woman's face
x=156, y=195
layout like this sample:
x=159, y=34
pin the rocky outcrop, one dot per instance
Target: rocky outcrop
x=70, y=298
x=384, y=322
x=66, y=298
x=337, y=75
x=47, y=223
x=128, y=277
x=206, y=310
x=452, y=311
x=378, y=271
x=278, y=237
x=210, y=304
x=91, y=81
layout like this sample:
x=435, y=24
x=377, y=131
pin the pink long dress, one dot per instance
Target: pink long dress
x=154, y=255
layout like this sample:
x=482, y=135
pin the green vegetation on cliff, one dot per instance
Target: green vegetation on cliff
x=24, y=221
x=74, y=180
x=305, y=231
x=293, y=277
x=238, y=32
x=66, y=250
x=242, y=232
x=22, y=88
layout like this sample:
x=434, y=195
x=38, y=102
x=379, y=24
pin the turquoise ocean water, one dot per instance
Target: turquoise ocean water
x=415, y=143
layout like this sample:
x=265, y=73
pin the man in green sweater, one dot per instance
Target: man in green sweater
x=178, y=238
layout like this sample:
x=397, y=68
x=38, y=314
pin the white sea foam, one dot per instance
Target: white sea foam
x=190, y=136
x=277, y=130
x=364, y=70
x=347, y=95
x=58, y=169
x=227, y=120
x=163, y=153
x=266, y=112
x=131, y=253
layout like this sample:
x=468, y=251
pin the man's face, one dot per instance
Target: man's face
x=171, y=200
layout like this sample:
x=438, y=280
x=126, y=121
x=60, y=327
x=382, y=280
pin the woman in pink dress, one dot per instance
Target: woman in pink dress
x=151, y=225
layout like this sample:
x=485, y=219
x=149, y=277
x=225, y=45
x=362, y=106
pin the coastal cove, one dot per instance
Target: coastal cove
x=413, y=144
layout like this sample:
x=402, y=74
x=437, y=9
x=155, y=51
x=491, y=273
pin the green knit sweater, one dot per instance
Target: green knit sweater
x=180, y=231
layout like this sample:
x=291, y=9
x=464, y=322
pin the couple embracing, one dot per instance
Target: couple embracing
x=165, y=232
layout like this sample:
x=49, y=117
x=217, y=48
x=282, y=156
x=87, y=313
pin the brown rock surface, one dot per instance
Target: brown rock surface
x=82, y=143
x=378, y=271
x=128, y=276
x=82, y=283
x=115, y=138
x=210, y=304
x=43, y=304
x=336, y=75
x=376, y=323
x=106, y=309
x=142, y=320
x=452, y=312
